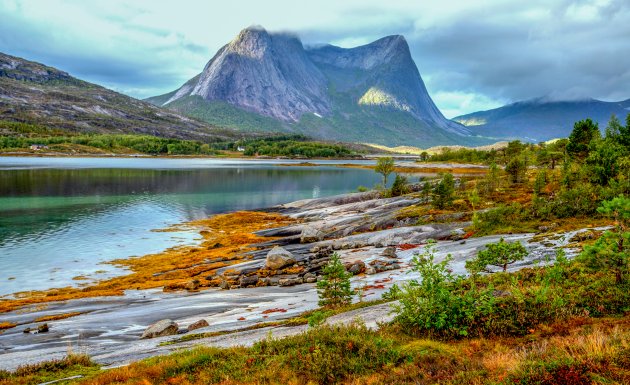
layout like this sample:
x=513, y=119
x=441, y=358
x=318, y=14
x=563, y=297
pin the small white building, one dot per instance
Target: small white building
x=240, y=149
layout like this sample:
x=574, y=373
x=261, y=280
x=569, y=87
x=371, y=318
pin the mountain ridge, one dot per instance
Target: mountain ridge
x=541, y=119
x=35, y=93
x=322, y=91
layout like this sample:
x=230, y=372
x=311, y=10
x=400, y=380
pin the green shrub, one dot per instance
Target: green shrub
x=579, y=201
x=329, y=354
x=611, y=252
x=540, y=182
x=499, y=217
x=400, y=186
x=500, y=254
x=317, y=318
x=431, y=304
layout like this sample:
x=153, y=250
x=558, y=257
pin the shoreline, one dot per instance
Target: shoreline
x=244, y=301
x=172, y=268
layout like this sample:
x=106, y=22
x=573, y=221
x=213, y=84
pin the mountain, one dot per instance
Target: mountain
x=541, y=119
x=271, y=82
x=34, y=93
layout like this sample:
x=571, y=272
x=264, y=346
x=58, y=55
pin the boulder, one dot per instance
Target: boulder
x=356, y=267
x=251, y=280
x=202, y=323
x=370, y=270
x=311, y=234
x=457, y=234
x=278, y=258
x=390, y=252
x=192, y=285
x=43, y=328
x=310, y=278
x=165, y=327
x=582, y=236
x=290, y=281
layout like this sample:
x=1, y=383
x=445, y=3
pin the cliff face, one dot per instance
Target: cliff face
x=263, y=73
x=325, y=91
x=389, y=78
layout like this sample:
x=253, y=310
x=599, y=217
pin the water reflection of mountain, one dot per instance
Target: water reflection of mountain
x=38, y=201
x=86, y=182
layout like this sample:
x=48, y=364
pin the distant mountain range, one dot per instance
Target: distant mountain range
x=270, y=81
x=37, y=94
x=541, y=119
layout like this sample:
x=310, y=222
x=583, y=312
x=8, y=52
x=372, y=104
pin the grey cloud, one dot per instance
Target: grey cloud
x=515, y=61
x=507, y=51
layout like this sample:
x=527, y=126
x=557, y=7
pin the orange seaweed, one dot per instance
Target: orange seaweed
x=226, y=238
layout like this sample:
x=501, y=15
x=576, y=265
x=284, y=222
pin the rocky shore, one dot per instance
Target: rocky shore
x=269, y=280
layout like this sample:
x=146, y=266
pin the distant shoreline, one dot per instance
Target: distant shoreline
x=145, y=156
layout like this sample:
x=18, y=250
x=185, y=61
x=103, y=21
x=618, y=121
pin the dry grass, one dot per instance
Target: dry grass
x=579, y=349
x=225, y=238
x=6, y=325
x=56, y=317
x=424, y=169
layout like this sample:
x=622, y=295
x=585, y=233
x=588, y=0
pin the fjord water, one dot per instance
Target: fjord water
x=61, y=217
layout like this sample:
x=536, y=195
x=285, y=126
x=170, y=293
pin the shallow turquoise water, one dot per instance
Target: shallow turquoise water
x=61, y=217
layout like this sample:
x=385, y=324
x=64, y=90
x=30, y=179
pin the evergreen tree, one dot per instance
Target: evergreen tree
x=443, y=192
x=400, y=186
x=580, y=139
x=516, y=169
x=334, y=288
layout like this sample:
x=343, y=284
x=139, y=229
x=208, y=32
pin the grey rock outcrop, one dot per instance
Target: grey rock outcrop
x=311, y=234
x=264, y=73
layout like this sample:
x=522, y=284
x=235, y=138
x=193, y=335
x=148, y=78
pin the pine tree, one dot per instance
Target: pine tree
x=443, y=192
x=334, y=289
x=611, y=252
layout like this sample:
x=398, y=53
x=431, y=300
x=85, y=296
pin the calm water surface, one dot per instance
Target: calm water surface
x=61, y=217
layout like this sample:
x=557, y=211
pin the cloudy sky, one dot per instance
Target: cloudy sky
x=473, y=55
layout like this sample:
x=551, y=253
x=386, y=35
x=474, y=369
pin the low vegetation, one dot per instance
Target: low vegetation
x=293, y=146
x=529, y=187
x=15, y=136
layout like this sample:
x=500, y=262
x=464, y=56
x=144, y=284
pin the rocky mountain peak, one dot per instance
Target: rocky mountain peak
x=272, y=74
x=365, y=57
x=253, y=42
